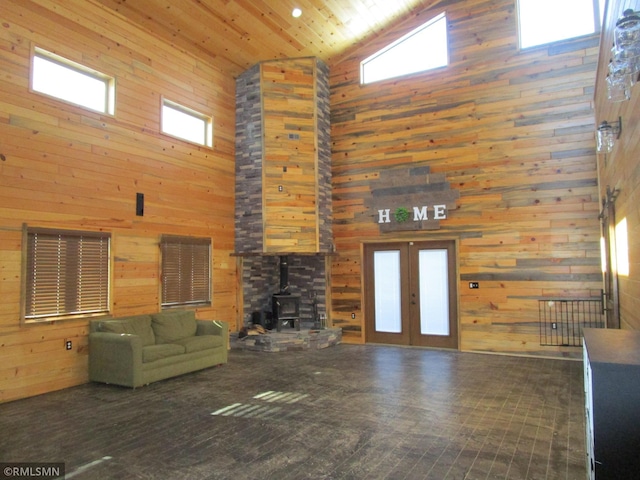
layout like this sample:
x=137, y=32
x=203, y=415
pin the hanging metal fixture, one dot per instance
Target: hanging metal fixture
x=627, y=32
x=624, y=67
x=607, y=134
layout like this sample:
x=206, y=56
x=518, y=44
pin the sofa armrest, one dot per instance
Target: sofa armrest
x=115, y=358
x=214, y=327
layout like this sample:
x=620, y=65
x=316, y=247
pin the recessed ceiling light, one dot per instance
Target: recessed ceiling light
x=296, y=12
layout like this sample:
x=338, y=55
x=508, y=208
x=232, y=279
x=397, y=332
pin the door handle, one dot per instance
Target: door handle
x=603, y=301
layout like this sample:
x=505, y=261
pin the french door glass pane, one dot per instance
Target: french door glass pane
x=434, y=292
x=386, y=271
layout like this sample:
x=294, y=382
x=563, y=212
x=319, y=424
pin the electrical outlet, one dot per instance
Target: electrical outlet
x=68, y=345
x=554, y=326
x=474, y=285
x=353, y=316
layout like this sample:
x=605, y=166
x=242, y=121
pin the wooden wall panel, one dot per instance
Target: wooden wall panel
x=513, y=131
x=290, y=197
x=620, y=170
x=65, y=167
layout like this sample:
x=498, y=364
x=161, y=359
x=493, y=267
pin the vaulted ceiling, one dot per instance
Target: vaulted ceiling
x=237, y=34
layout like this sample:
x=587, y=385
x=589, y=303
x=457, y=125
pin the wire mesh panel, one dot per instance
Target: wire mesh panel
x=562, y=321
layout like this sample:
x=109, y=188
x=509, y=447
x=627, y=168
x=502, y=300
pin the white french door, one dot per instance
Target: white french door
x=410, y=294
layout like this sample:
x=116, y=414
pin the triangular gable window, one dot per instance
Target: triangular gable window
x=424, y=48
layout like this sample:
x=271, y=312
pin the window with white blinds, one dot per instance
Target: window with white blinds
x=186, y=270
x=67, y=274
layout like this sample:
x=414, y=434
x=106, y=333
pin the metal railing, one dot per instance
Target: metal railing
x=562, y=321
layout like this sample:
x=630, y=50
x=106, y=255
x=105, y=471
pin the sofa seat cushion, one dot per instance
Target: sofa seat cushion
x=138, y=325
x=174, y=325
x=152, y=353
x=200, y=342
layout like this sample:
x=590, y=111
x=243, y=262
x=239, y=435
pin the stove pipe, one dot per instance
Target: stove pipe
x=284, y=275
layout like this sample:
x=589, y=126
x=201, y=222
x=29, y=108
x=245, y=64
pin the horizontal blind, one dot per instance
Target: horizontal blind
x=67, y=273
x=186, y=272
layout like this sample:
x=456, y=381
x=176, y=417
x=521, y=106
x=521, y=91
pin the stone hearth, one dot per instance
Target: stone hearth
x=288, y=341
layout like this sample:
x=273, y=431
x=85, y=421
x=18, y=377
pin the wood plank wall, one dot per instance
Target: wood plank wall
x=64, y=167
x=514, y=132
x=290, y=165
x=621, y=168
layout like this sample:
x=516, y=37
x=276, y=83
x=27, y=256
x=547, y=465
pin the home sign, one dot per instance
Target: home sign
x=410, y=199
x=402, y=214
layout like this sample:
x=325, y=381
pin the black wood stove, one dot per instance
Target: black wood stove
x=285, y=306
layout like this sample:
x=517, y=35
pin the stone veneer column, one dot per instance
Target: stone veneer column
x=324, y=158
x=249, y=215
x=260, y=273
x=248, y=218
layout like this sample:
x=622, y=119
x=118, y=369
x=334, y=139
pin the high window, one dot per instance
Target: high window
x=187, y=124
x=71, y=82
x=546, y=21
x=67, y=274
x=186, y=270
x=422, y=49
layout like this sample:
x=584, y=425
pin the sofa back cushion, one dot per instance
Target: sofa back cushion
x=174, y=325
x=138, y=325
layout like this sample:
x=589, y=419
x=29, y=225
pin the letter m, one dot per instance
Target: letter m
x=419, y=214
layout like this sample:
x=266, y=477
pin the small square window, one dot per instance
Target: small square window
x=71, y=82
x=186, y=124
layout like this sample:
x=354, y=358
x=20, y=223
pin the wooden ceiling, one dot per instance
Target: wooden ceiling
x=237, y=34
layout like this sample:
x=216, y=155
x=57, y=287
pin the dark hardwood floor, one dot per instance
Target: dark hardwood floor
x=345, y=412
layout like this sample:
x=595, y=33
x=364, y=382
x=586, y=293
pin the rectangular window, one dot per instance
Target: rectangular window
x=65, y=80
x=547, y=21
x=182, y=122
x=67, y=274
x=186, y=270
x=422, y=49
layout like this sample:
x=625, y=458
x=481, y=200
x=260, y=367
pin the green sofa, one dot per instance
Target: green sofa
x=137, y=350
